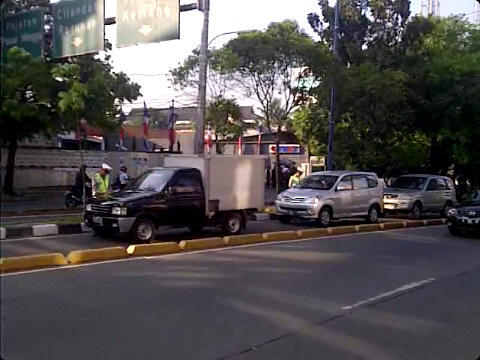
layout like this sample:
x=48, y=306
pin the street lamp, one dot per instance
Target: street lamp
x=228, y=33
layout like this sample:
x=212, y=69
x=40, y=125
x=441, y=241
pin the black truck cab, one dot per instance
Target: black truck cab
x=169, y=196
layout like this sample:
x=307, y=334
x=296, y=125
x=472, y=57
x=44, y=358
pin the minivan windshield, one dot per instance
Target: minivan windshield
x=153, y=180
x=318, y=182
x=410, y=182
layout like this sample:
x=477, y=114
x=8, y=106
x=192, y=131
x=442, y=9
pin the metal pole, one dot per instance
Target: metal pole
x=331, y=124
x=202, y=83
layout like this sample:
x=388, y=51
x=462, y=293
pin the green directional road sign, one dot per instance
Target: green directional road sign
x=147, y=21
x=78, y=27
x=24, y=30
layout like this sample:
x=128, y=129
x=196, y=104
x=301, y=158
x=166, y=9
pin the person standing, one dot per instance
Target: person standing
x=101, y=181
x=295, y=178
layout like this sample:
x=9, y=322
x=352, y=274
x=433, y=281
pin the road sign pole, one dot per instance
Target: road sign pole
x=202, y=83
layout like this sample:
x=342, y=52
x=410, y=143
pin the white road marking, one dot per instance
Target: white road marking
x=197, y=252
x=401, y=289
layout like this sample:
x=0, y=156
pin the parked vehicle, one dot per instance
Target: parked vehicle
x=217, y=191
x=328, y=195
x=416, y=194
x=465, y=218
x=74, y=198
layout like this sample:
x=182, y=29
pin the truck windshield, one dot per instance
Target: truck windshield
x=319, y=182
x=409, y=182
x=150, y=181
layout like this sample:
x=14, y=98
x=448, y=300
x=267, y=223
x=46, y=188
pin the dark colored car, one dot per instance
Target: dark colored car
x=466, y=217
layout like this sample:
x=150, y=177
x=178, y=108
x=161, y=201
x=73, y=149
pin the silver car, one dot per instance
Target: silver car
x=327, y=195
x=418, y=193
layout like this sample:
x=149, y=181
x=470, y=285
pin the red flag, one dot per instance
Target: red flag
x=240, y=146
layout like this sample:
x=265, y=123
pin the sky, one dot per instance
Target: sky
x=149, y=64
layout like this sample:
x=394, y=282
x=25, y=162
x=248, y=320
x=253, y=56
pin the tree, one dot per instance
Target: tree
x=225, y=118
x=28, y=92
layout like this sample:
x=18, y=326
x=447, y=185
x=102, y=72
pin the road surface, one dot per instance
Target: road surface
x=403, y=294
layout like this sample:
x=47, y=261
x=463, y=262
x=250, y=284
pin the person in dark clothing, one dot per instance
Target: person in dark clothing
x=79, y=184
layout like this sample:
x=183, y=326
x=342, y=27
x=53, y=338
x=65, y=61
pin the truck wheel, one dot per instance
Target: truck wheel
x=285, y=219
x=143, y=231
x=232, y=223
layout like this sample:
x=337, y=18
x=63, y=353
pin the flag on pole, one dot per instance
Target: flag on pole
x=208, y=142
x=259, y=142
x=121, y=131
x=172, y=119
x=240, y=146
x=146, y=121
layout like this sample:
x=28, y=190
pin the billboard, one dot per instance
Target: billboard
x=24, y=30
x=78, y=27
x=147, y=21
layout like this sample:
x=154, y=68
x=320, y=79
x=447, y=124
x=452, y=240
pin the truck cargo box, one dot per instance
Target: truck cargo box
x=231, y=182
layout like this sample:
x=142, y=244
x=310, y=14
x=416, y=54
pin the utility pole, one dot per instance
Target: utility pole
x=333, y=92
x=202, y=83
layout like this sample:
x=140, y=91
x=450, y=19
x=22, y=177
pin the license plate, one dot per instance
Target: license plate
x=97, y=220
x=389, y=206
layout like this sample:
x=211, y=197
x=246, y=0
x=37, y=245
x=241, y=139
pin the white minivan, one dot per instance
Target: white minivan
x=328, y=195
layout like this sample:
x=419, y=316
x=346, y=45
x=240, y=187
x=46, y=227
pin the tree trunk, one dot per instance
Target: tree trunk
x=277, y=159
x=10, y=166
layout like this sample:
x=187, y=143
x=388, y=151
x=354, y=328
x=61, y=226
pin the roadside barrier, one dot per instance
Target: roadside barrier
x=153, y=249
x=242, y=239
x=18, y=263
x=279, y=236
x=90, y=255
x=201, y=244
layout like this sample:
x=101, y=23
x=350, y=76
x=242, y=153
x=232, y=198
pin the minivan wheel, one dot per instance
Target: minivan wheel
x=232, y=224
x=324, y=217
x=143, y=231
x=448, y=206
x=416, y=211
x=285, y=219
x=373, y=214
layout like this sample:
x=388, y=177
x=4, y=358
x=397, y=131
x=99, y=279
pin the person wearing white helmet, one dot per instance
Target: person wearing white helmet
x=101, y=181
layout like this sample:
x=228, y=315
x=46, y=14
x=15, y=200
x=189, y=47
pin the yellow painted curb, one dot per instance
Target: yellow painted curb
x=393, y=225
x=242, y=239
x=414, y=223
x=31, y=262
x=153, y=249
x=312, y=233
x=368, y=227
x=82, y=256
x=201, y=244
x=342, y=230
x=280, y=236
x=434, y=222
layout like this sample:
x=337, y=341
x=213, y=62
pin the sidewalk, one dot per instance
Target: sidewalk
x=51, y=198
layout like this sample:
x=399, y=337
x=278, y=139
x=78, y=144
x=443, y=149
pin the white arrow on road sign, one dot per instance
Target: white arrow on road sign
x=77, y=42
x=145, y=30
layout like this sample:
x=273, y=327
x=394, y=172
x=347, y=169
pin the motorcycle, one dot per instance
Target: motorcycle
x=73, y=198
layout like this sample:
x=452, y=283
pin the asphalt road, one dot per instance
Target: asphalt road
x=403, y=294
x=66, y=243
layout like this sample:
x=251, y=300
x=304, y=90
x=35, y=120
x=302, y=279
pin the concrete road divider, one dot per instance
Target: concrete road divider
x=83, y=256
x=393, y=225
x=242, y=239
x=368, y=227
x=44, y=230
x=414, y=223
x=430, y=222
x=280, y=236
x=19, y=263
x=153, y=249
x=342, y=230
x=3, y=233
x=312, y=233
x=201, y=244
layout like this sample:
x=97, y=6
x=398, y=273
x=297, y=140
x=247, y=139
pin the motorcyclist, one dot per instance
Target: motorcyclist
x=80, y=180
x=123, y=177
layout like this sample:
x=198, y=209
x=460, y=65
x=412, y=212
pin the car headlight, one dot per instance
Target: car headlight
x=89, y=207
x=279, y=197
x=120, y=211
x=313, y=200
x=452, y=212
